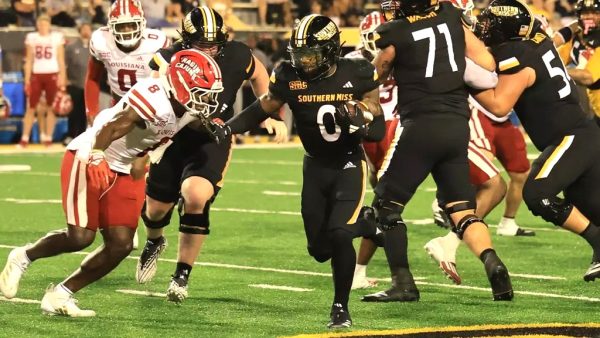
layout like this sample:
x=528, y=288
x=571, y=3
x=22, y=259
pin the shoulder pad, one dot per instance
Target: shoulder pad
x=384, y=35
x=364, y=69
x=511, y=57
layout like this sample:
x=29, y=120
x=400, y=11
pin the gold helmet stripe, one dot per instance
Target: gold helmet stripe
x=209, y=22
x=303, y=28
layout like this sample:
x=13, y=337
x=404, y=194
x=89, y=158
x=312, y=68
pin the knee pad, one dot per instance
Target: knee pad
x=462, y=225
x=388, y=214
x=156, y=224
x=553, y=209
x=194, y=223
x=319, y=254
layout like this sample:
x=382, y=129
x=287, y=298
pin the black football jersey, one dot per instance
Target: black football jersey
x=549, y=109
x=314, y=103
x=236, y=63
x=430, y=61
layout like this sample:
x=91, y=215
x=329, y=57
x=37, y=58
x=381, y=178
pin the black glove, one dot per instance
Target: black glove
x=351, y=115
x=219, y=131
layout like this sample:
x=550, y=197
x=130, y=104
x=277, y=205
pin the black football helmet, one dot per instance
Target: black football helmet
x=396, y=9
x=203, y=29
x=588, y=16
x=504, y=20
x=314, y=46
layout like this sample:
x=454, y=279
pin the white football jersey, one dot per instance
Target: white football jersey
x=388, y=91
x=45, y=51
x=125, y=69
x=150, y=99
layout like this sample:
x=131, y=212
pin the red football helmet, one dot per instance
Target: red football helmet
x=126, y=22
x=367, y=30
x=194, y=79
x=63, y=104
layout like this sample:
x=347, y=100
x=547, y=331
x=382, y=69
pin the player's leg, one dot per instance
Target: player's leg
x=81, y=216
x=34, y=94
x=557, y=168
x=512, y=153
x=406, y=165
x=51, y=89
x=119, y=213
x=202, y=179
x=162, y=191
x=452, y=178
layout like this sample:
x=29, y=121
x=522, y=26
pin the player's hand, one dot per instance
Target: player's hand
x=98, y=171
x=277, y=127
x=219, y=130
x=354, y=115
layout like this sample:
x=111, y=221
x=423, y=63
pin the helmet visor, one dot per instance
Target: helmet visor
x=308, y=60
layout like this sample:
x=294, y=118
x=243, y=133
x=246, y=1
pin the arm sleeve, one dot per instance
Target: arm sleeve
x=95, y=71
x=376, y=129
x=249, y=118
x=479, y=78
x=566, y=33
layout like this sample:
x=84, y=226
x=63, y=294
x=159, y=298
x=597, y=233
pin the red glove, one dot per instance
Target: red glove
x=99, y=173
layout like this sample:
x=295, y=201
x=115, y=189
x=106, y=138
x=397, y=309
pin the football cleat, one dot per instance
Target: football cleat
x=508, y=227
x=340, y=318
x=592, y=272
x=362, y=282
x=177, y=291
x=148, y=261
x=403, y=289
x=439, y=216
x=16, y=265
x=446, y=260
x=57, y=303
x=499, y=278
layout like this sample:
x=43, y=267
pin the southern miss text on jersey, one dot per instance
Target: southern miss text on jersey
x=549, y=109
x=236, y=62
x=430, y=61
x=125, y=69
x=314, y=104
x=150, y=100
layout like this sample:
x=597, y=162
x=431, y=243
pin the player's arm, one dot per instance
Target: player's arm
x=95, y=73
x=375, y=130
x=581, y=76
x=120, y=125
x=62, y=69
x=27, y=67
x=477, y=51
x=266, y=106
x=138, y=167
x=384, y=61
x=501, y=100
x=478, y=77
x=565, y=34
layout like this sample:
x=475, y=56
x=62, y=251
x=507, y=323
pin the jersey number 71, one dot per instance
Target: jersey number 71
x=428, y=33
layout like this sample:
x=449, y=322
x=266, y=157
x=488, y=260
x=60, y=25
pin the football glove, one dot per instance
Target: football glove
x=99, y=173
x=219, y=130
x=353, y=115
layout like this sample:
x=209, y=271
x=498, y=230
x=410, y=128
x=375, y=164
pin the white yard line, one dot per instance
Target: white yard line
x=418, y=280
x=279, y=287
x=280, y=193
x=14, y=168
x=20, y=300
x=142, y=293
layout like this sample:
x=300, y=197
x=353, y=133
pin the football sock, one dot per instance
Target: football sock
x=343, y=261
x=490, y=260
x=360, y=270
x=592, y=235
x=396, y=247
x=183, y=270
x=63, y=290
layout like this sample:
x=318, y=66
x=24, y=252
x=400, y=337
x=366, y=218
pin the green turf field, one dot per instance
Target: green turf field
x=257, y=238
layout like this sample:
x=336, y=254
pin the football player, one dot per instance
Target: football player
x=102, y=182
x=194, y=166
x=426, y=45
x=44, y=71
x=578, y=44
x=335, y=102
x=122, y=49
x=534, y=81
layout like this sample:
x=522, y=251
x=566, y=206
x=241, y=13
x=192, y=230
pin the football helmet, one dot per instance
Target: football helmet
x=588, y=16
x=314, y=46
x=368, y=25
x=194, y=79
x=394, y=9
x=63, y=104
x=203, y=29
x=504, y=20
x=126, y=22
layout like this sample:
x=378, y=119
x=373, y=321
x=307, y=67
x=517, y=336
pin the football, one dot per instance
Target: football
x=351, y=109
